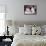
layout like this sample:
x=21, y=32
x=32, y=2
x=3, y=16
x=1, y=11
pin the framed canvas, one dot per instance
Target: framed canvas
x=30, y=9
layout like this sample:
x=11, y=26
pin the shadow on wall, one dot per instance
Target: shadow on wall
x=21, y=23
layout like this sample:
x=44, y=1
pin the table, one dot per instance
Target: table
x=5, y=43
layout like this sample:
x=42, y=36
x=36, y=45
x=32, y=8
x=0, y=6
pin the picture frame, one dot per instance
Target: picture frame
x=30, y=9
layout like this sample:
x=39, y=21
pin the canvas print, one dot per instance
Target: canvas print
x=30, y=9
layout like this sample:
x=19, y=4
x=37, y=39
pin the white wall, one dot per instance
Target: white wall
x=15, y=9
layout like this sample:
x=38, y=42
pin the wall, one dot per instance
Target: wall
x=15, y=9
